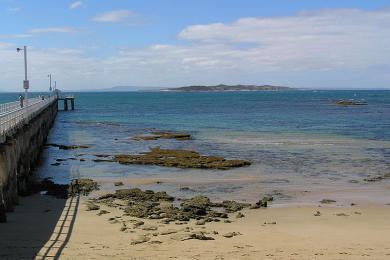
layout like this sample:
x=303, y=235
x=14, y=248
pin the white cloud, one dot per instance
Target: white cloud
x=53, y=30
x=328, y=48
x=75, y=5
x=14, y=36
x=114, y=16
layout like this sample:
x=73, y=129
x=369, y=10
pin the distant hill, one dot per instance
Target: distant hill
x=223, y=87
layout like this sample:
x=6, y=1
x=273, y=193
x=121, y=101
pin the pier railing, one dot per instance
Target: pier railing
x=12, y=115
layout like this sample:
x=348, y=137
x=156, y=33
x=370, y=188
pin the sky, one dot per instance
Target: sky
x=96, y=44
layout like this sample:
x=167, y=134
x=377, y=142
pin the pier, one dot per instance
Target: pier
x=24, y=127
x=65, y=100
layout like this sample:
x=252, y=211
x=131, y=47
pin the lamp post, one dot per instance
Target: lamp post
x=50, y=81
x=26, y=84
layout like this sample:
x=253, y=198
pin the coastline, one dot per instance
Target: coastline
x=293, y=232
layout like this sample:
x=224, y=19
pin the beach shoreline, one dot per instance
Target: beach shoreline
x=290, y=232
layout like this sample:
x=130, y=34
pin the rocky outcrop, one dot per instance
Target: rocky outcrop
x=179, y=159
x=19, y=155
x=163, y=135
x=159, y=205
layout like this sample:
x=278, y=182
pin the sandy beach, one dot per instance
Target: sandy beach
x=44, y=227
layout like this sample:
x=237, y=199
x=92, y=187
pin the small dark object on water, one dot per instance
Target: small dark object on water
x=68, y=147
x=378, y=178
x=118, y=183
x=55, y=164
x=350, y=102
x=327, y=201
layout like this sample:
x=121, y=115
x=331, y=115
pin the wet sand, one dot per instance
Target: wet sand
x=58, y=229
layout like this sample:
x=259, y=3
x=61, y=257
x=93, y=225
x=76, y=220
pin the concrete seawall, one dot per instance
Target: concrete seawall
x=19, y=156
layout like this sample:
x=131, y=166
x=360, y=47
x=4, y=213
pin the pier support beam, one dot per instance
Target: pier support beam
x=65, y=105
x=72, y=103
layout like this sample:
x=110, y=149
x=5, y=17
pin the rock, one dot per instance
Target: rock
x=68, y=147
x=140, y=240
x=200, y=222
x=82, y=186
x=231, y=206
x=378, y=178
x=327, y=201
x=193, y=235
x=163, y=135
x=240, y=215
x=55, y=164
x=349, y=102
x=168, y=232
x=197, y=205
x=342, y=215
x=113, y=221
x=118, y=183
x=102, y=155
x=262, y=203
x=155, y=242
x=149, y=228
x=103, y=212
x=231, y=234
x=200, y=236
x=91, y=206
x=123, y=228
x=180, y=159
x=138, y=223
x=227, y=221
x=317, y=214
x=138, y=195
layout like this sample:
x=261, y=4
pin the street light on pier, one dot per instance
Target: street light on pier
x=26, y=83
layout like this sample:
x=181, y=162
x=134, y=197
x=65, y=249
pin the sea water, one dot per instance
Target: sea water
x=302, y=146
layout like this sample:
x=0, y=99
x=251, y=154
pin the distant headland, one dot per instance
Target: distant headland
x=222, y=87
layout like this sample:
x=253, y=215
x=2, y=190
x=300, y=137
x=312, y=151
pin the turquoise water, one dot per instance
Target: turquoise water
x=299, y=142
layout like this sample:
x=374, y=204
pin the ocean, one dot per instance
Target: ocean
x=302, y=147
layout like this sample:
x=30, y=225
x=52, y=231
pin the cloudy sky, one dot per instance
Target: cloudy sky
x=154, y=43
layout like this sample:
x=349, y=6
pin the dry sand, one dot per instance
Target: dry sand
x=49, y=228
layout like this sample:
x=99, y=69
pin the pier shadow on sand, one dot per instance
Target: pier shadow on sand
x=40, y=228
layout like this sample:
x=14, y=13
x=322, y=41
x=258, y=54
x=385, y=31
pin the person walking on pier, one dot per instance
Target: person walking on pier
x=21, y=99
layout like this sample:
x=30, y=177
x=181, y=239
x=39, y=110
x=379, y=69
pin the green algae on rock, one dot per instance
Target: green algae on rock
x=180, y=159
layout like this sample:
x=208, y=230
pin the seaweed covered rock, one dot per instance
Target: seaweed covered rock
x=136, y=194
x=180, y=159
x=198, y=205
x=232, y=206
x=163, y=135
x=82, y=186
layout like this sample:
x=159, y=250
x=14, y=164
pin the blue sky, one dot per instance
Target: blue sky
x=100, y=44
